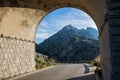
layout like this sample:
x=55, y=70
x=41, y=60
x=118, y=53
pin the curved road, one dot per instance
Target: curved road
x=63, y=72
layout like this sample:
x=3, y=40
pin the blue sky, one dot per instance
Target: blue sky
x=59, y=18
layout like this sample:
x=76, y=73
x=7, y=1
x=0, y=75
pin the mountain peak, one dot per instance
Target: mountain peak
x=70, y=44
x=91, y=28
x=69, y=27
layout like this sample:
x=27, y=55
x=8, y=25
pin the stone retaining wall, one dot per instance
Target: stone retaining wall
x=16, y=57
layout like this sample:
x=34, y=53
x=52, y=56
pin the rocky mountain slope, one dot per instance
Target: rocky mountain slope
x=71, y=44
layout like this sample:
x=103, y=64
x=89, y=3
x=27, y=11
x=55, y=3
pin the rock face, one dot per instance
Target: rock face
x=71, y=44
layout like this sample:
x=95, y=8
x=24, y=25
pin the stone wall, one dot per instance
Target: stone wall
x=110, y=50
x=105, y=52
x=20, y=22
x=16, y=56
x=17, y=35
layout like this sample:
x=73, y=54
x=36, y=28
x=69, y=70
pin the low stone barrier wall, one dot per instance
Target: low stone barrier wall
x=16, y=56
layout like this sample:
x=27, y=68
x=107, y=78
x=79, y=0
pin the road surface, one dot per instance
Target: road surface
x=63, y=72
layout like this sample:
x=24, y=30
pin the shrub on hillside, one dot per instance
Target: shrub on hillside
x=42, y=62
x=96, y=63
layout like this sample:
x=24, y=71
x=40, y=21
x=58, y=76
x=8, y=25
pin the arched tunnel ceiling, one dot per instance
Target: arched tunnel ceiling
x=95, y=8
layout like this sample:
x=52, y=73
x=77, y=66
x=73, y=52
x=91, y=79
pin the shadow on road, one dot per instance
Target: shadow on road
x=86, y=69
x=87, y=77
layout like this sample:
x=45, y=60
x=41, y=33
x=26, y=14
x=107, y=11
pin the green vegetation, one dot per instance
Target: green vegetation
x=42, y=62
x=98, y=71
x=96, y=63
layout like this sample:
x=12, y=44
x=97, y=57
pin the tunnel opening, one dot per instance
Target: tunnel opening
x=65, y=33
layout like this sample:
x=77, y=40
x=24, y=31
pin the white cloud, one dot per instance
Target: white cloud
x=76, y=18
x=42, y=35
x=82, y=14
x=83, y=20
x=42, y=30
x=54, y=23
x=44, y=24
x=79, y=13
x=76, y=23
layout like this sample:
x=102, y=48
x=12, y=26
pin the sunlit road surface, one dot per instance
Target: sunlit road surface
x=63, y=72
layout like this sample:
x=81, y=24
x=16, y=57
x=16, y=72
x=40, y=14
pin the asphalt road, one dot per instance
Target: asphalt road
x=63, y=72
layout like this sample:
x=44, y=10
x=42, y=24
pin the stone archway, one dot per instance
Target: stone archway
x=19, y=20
